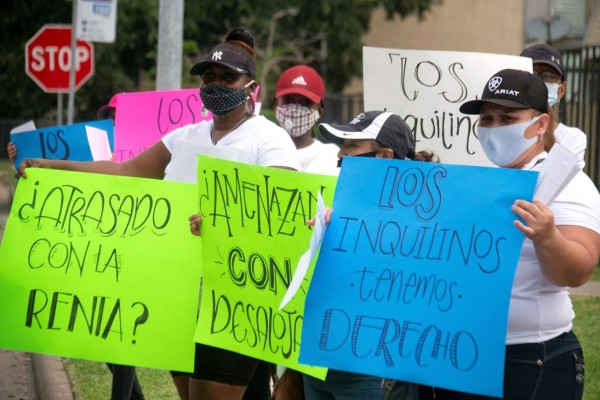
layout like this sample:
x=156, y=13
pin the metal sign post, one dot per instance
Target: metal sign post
x=71, y=99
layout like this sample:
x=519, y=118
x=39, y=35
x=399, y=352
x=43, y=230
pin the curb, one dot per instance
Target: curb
x=51, y=382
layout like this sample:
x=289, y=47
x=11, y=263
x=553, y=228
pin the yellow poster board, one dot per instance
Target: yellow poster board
x=101, y=267
x=254, y=232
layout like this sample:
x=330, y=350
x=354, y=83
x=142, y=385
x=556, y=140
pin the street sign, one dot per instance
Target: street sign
x=97, y=20
x=48, y=59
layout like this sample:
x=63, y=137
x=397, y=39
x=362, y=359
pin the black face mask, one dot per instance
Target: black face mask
x=371, y=154
x=221, y=100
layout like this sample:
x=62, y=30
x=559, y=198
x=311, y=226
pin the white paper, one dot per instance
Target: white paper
x=26, y=127
x=556, y=172
x=98, y=142
x=307, y=257
x=183, y=167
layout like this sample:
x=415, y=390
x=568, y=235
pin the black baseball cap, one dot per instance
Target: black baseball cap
x=511, y=88
x=542, y=53
x=387, y=128
x=229, y=55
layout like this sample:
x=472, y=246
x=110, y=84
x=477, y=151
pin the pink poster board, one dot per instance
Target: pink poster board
x=143, y=118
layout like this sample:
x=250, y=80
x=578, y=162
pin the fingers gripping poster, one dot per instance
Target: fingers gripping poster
x=101, y=267
x=414, y=274
x=254, y=232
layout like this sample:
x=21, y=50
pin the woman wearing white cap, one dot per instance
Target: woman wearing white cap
x=544, y=359
x=227, y=75
x=376, y=134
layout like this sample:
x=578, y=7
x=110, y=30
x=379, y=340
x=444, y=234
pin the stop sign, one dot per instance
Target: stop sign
x=48, y=59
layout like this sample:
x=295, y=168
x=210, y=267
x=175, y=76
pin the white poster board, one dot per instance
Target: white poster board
x=427, y=87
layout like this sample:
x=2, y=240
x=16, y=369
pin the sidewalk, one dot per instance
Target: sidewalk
x=591, y=288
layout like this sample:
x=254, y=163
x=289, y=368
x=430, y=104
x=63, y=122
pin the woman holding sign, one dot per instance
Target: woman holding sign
x=544, y=359
x=227, y=76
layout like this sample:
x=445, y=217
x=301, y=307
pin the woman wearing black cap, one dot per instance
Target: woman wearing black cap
x=544, y=359
x=227, y=75
x=548, y=65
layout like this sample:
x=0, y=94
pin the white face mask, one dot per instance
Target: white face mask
x=296, y=119
x=552, y=93
x=504, y=144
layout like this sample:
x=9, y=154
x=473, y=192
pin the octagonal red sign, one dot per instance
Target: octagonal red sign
x=48, y=59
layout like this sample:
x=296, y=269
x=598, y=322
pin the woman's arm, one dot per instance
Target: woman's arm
x=12, y=152
x=568, y=254
x=150, y=163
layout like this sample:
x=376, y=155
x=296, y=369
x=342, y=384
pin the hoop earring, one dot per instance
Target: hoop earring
x=249, y=108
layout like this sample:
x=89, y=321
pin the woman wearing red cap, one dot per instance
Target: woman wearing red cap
x=227, y=75
x=298, y=104
x=544, y=359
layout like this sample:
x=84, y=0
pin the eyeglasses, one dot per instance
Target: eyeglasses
x=548, y=76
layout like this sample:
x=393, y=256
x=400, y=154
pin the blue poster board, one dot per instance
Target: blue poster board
x=415, y=271
x=63, y=142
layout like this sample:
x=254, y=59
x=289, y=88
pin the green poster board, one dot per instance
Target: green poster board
x=101, y=267
x=253, y=234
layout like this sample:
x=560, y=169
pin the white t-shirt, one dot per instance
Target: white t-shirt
x=257, y=141
x=319, y=158
x=539, y=309
x=573, y=139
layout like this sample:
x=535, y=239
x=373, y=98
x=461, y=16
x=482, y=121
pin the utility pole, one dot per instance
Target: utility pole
x=170, y=44
x=71, y=97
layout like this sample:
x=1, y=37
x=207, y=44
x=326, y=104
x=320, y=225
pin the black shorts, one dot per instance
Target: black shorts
x=223, y=366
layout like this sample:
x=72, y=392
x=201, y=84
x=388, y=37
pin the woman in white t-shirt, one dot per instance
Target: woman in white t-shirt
x=227, y=75
x=544, y=359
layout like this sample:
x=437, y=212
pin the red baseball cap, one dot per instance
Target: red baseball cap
x=302, y=80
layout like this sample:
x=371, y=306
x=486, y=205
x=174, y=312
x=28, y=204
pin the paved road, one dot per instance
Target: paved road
x=25, y=376
x=16, y=368
x=16, y=376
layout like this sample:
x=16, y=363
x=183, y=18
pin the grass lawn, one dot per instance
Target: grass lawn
x=92, y=380
x=596, y=275
x=587, y=328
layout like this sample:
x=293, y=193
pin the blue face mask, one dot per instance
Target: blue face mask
x=504, y=144
x=552, y=93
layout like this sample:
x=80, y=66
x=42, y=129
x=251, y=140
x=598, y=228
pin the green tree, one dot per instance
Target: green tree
x=325, y=34
x=120, y=66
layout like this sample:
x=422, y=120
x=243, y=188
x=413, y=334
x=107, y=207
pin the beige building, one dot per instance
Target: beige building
x=488, y=26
